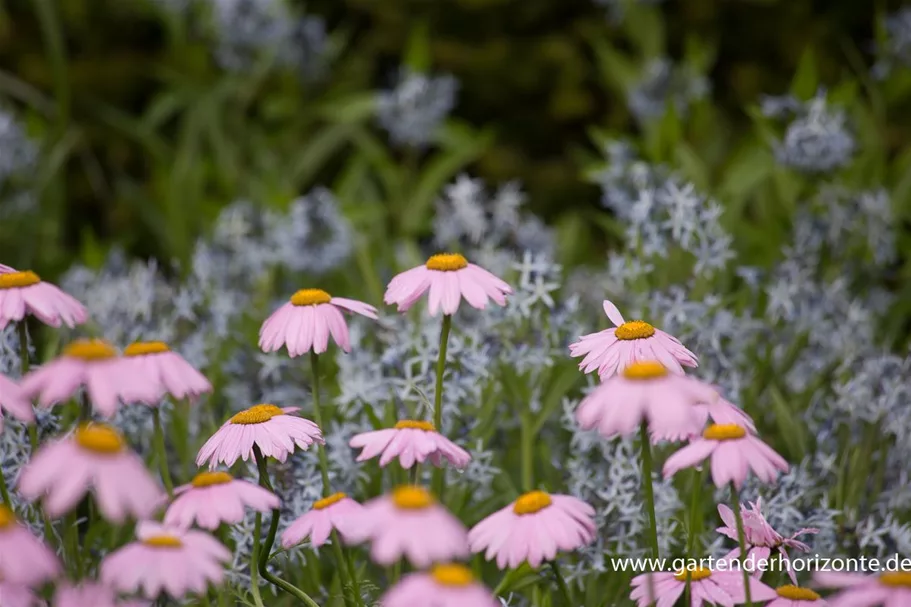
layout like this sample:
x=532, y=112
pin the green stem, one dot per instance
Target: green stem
x=646, y=448
x=85, y=409
x=162, y=453
x=561, y=584
x=318, y=418
x=439, y=477
x=342, y=568
x=254, y=567
x=25, y=365
x=355, y=583
x=4, y=491
x=695, y=524
x=526, y=448
x=741, y=540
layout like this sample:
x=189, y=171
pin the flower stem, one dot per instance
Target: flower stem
x=646, y=448
x=741, y=539
x=317, y=414
x=561, y=584
x=3, y=490
x=439, y=477
x=695, y=524
x=162, y=453
x=24, y=367
x=254, y=568
x=526, y=439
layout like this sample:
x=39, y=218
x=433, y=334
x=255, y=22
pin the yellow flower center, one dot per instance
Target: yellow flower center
x=163, y=541
x=634, y=329
x=207, y=479
x=257, y=414
x=328, y=501
x=411, y=497
x=531, y=502
x=647, y=369
x=699, y=573
x=141, y=348
x=796, y=593
x=446, y=262
x=452, y=575
x=415, y=425
x=90, y=349
x=14, y=280
x=724, y=432
x=310, y=297
x=897, y=578
x=99, y=438
x=7, y=518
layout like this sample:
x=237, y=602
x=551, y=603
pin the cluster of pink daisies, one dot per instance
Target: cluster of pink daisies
x=643, y=389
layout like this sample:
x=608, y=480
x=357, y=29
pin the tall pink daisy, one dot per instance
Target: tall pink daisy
x=646, y=392
x=24, y=293
x=13, y=402
x=891, y=589
x=450, y=278
x=335, y=512
x=274, y=430
x=734, y=452
x=24, y=559
x=213, y=498
x=306, y=322
x=795, y=596
x=612, y=350
x=409, y=523
x=16, y=595
x=410, y=441
x=93, y=457
x=152, y=371
x=443, y=586
x=165, y=559
x=707, y=587
x=533, y=528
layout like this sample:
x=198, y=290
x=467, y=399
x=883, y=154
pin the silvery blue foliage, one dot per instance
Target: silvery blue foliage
x=817, y=140
x=895, y=50
x=663, y=84
x=412, y=110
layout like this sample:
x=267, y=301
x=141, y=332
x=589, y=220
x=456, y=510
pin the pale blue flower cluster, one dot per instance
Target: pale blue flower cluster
x=665, y=84
x=412, y=110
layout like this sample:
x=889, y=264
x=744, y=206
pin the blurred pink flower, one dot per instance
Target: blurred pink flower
x=93, y=457
x=722, y=411
x=165, y=559
x=892, y=589
x=450, y=278
x=409, y=523
x=795, y=596
x=443, y=586
x=733, y=451
x=410, y=442
x=24, y=559
x=708, y=587
x=152, y=371
x=333, y=512
x=273, y=429
x=13, y=402
x=90, y=594
x=24, y=293
x=305, y=323
x=533, y=528
x=213, y=498
x=645, y=391
x=612, y=350
x=13, y=595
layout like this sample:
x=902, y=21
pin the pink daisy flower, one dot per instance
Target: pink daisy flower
x=409, y=523
x=152, y=371
x=892, y=589
x=410, y=442
x=450, y=278
x=92, y=364
x=90, y=594
x=24, y=293
x=645, y=391
x=307, y=321
x=13, y=403
x=178, y=562
x=213, y=498
x=612, y=350
x=722, y=411
x=13, y=595
x=707, y=587
x=273, y=429
x=24, y=559
x=533, y=528
x=333, y=512
x=795, y=596
x=733, y=451
x=93, y=457
x=443, y=586
x=761, y=538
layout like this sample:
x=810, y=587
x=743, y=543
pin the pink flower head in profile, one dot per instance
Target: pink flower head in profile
x=410, y=441
x=409, y=523
x=24, y=559
x=165, y=559
x=93, y=457
x=708, y=587
x=612, y=350
x=795, y=596
x=330, y=513
x=533, y=528
x=450, y=278
x=761, y=538
x=646, y=392
x=273, y=429
x=443, y=586
x=90, y=594
x=13, y=402
x=213, y=498
x=734, y=453
x=24, y=293
x=722, y=411
x=152, y=371
x=307, y=321
x=90, y=363
x=890, y=589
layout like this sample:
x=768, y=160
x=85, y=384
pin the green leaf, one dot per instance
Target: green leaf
x=645, y=26
x=317, y=152
x=806, y=80
x=417, y=53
